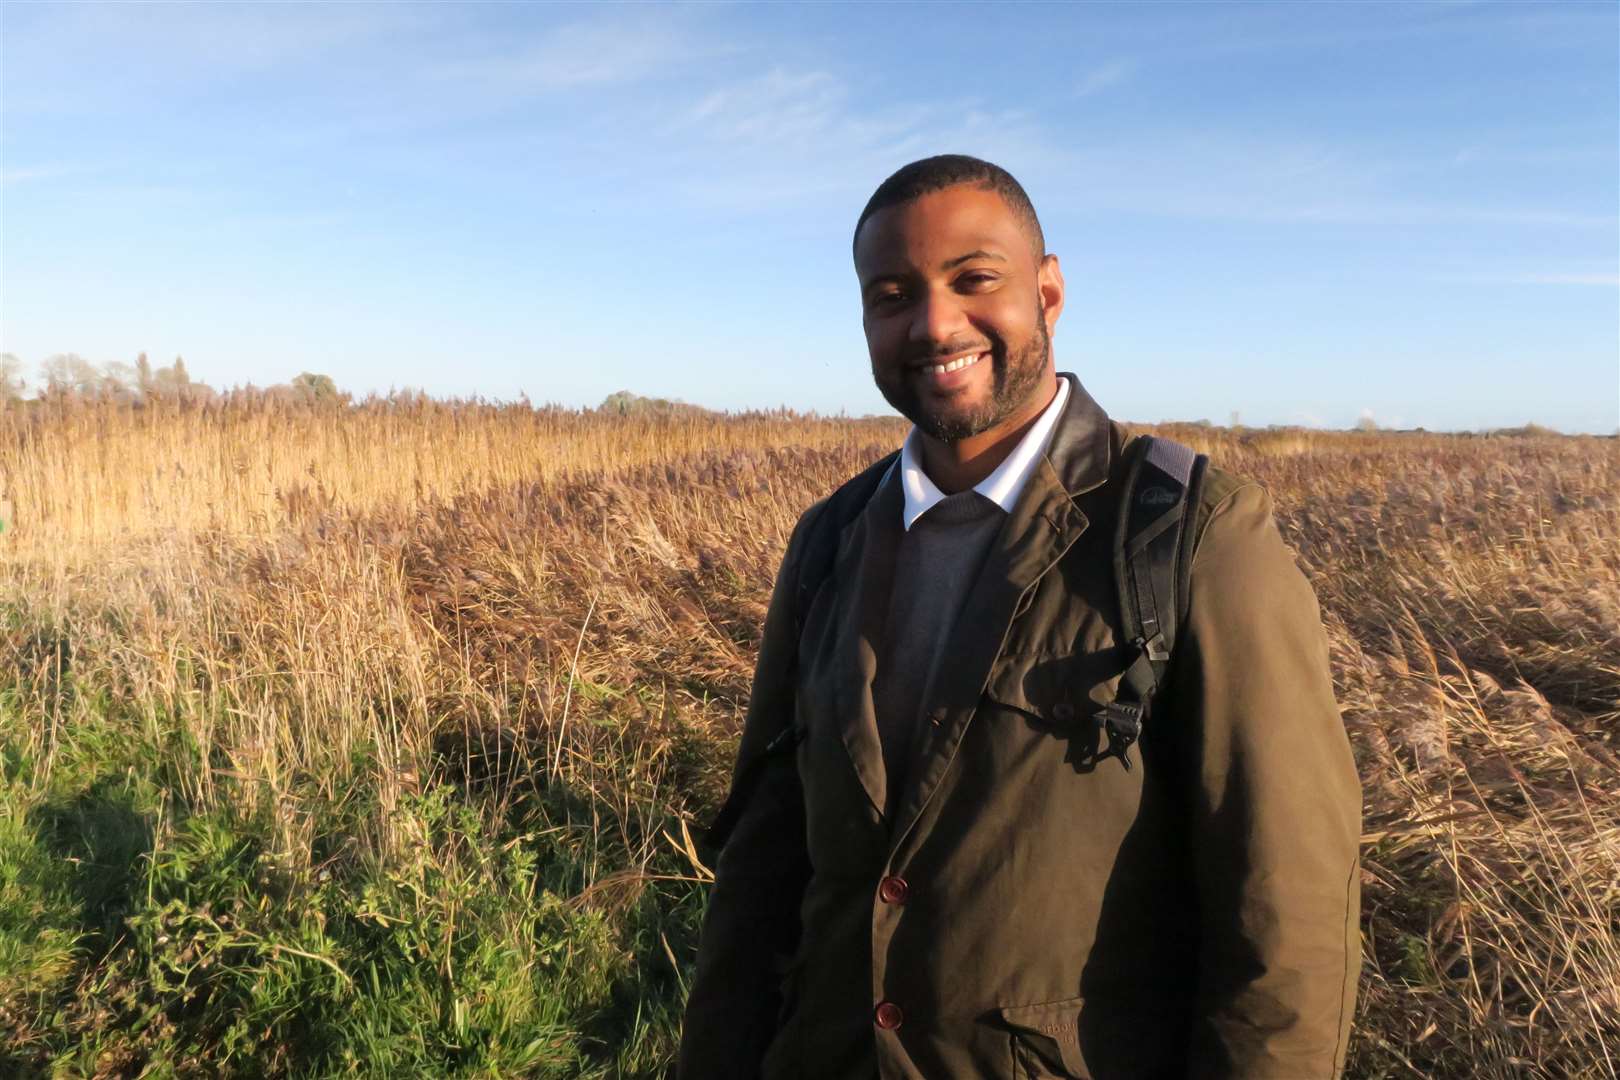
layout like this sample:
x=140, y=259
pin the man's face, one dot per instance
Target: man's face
x=959, y=309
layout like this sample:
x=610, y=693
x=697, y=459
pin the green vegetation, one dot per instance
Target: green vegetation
x=143, y=934
x=348, y=739
x=625, y=403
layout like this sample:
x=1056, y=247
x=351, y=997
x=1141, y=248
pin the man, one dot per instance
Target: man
x=941, y=877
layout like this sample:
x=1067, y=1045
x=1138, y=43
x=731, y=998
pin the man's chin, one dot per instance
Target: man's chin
x=951, y=427
x=948, y=418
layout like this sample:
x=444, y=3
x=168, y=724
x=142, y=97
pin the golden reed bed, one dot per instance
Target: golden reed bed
x=370, y=606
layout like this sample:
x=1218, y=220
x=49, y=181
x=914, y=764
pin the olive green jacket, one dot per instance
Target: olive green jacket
x=1030, y=910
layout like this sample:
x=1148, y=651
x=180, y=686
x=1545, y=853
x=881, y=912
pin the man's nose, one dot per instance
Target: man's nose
x=938, y=318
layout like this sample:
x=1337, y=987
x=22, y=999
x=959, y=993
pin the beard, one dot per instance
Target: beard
x=1014, y=376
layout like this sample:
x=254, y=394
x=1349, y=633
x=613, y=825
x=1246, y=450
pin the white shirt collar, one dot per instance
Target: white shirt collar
x=1001, y=487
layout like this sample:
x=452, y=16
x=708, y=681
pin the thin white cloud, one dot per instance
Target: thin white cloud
x=1226, y=175
x=89, y=59
x=1207, y=30
x=585, y=54
x=36, y=172
x=1609, y=281
x=787, y=136
x=1101, y=78
x=1395, y=211
x=182, y=39
x=780, y=106
x=1583, y=273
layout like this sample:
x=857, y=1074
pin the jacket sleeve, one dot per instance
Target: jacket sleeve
x=1276, y=809
x=752, y=924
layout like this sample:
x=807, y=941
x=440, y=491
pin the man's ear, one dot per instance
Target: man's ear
x=1049, y=281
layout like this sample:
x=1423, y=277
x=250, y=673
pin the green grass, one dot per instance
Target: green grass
x=530, y=934
x=395, y=787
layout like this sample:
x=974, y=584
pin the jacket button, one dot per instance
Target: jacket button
x=936, y=717
x=1063, y=712
x=887, y=1015
x=893, y=890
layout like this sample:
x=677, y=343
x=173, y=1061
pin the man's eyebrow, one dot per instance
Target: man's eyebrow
x=948, y=264
x=951, y=264
x=882, y=279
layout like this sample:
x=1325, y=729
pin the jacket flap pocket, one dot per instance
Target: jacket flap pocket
x=1052, y=1030
x=1031, y=684
x=1056, y=689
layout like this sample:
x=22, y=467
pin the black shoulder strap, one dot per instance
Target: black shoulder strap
x=816, y=560
x=1152, y=563
x=821, y=543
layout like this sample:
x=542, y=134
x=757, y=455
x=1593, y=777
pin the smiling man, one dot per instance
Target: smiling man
x=937, y=859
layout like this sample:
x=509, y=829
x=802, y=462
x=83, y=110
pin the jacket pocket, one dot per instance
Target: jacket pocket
x=1046, y=1040
x=784, y=1054
x=792, y=978
x=1056, y=698
x=1031, y=684
x=1058, y=690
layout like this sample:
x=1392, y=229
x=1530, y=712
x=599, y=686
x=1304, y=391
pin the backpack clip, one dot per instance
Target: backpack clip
x=787, y=739
x=1122, y=722
x=1154, y=647
x=742, y=789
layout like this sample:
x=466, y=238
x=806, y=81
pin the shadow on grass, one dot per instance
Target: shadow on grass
x=105, y=838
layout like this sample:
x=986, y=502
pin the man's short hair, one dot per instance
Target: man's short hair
x=912, y=182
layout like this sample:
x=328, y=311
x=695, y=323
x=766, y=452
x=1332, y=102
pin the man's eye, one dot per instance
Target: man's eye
x=887, y=298
x=977, y=279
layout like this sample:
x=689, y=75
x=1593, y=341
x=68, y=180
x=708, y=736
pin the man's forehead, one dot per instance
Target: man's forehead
x=941, y=226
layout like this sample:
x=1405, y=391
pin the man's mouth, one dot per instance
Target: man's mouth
x=954, y=364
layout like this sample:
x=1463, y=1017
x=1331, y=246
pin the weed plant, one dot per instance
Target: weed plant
x=369, y=740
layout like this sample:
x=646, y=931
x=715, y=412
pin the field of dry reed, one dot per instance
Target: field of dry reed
x=364, y=739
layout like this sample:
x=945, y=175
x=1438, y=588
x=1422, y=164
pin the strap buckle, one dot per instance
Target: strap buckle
x=1122, y=722
x=1154, y=647
x=784, y=740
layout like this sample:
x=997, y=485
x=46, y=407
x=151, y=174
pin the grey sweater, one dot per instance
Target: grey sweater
x=939, y=558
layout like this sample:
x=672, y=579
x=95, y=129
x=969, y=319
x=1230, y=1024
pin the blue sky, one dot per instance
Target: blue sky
x=1299, y=212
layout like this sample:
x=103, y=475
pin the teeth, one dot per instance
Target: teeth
x=956, y=365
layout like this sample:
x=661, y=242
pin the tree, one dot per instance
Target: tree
x=118, y=382
x=175, y=382
x=70, y=375
x=12, y=386
x=316, y=388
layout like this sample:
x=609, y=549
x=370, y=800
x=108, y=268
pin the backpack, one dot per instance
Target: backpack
x=1152, y=566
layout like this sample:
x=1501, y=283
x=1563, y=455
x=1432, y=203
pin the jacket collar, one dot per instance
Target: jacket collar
x=1042, y=525
x=1004, y=484
x=1081, y=452
x=1078, y=445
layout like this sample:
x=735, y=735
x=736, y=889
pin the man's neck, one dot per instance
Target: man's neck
x=958, y=466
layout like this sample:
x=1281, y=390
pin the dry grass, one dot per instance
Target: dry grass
x=243, y=464
x=398, y=646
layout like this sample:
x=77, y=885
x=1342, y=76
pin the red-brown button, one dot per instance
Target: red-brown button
x=888, y=1015
x=893, y=890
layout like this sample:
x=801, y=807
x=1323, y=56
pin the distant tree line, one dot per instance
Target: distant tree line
x=72, y=377
x=625, y=403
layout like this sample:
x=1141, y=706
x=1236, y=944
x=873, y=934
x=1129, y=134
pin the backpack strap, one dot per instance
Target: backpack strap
x=816, y=560
x=1152, y=566
x=821, y=542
